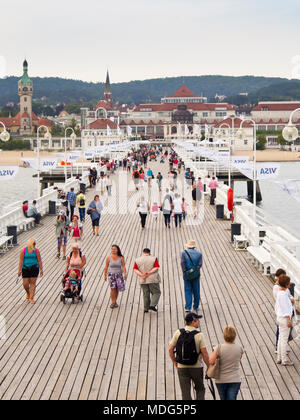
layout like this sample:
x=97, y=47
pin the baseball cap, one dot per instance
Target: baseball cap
x=192, y=317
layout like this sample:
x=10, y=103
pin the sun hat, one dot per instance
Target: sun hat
x=191, y=244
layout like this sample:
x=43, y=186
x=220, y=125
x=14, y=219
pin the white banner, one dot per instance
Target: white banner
x=32, y=162
x=240, y=161
x=47, y=164
x=8, y=172
x=267, y=170
x=89, y=154
x=73, y=156
x=119, y=131
x=223, y=157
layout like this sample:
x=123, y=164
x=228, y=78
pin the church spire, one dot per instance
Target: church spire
x=107, y=83
x=107, y=90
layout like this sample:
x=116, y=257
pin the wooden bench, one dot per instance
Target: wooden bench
x=5, y=243
x=261, y=255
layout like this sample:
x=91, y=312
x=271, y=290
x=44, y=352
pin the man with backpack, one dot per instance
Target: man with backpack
x=81, y=204
x=191, y=263
x=136, y=179
x=188, y=351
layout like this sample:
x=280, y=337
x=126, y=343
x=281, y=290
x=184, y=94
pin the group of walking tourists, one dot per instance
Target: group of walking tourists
x=188, y=346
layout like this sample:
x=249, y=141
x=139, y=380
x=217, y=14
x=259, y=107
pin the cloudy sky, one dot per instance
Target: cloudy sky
x=142, y=39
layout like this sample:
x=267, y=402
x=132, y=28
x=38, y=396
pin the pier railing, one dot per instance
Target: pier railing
x=15, y=216
x=284, y=247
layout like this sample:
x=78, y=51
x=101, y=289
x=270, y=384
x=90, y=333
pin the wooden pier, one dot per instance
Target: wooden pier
x=88, y=351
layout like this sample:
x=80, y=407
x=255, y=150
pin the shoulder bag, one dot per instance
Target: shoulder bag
x=193, y=273
x=214, y=370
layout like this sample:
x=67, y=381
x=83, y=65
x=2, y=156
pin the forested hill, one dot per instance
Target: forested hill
x=58, y=90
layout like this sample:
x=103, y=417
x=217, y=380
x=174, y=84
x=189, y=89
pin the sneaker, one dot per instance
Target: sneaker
x=27, y=296
x=152, y=308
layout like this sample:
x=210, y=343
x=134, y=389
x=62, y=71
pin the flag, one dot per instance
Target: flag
x=119, y=131
x=196, y=129
x=179, y=131
x=186, y=130
x=109, y=133
x=129, y=130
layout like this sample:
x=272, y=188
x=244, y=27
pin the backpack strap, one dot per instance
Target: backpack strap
x=190, y=258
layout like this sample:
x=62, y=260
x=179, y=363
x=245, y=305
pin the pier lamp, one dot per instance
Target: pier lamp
x=47, y=136
x=240, y=134
x=4, y=136
x=290, y=132
x=73, y=138
x=229, y=142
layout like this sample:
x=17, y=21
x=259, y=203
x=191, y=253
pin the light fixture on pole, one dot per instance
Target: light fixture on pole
x=4, y=136
x=73, y=138
x=241, y=134
x=229, y=157
x=47, y=136
x=290, y=132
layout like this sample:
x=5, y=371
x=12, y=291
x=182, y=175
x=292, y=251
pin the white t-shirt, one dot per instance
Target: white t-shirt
x=283, y=306
x=143, y=206
x=177, y=206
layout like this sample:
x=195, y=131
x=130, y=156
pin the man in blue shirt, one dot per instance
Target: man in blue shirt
x=71, y=198
x=191, y=259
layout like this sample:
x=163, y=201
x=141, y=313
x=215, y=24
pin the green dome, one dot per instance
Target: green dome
x=25, y=78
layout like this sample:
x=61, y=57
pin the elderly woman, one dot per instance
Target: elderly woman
x=94, y=210
x=30, y=266
x=62, y=227
x=230, y=354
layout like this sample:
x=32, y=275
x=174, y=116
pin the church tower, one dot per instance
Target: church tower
x=25, y=91
x=107, y=90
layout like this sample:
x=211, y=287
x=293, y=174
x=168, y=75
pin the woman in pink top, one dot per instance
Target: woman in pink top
x=76, y=229
x=76, y=260
x=213, y=185
x=199, y=184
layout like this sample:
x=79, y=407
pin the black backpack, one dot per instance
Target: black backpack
x=82, y=202
x=186, y=353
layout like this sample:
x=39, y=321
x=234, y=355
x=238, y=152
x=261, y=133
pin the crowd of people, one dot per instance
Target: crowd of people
x=187, y=348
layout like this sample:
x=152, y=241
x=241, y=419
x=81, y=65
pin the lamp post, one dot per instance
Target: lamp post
x=290, y=132
x=47, y=136
x=4, y=136
x=240, y=134
x=229, y=158
x=73, y=137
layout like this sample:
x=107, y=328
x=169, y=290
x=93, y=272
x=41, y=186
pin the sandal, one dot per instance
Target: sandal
x=288, y=364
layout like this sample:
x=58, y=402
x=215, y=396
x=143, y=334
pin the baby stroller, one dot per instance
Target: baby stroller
x=67, y=292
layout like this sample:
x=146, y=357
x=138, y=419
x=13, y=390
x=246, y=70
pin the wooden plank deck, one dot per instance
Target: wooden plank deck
x=87, y=351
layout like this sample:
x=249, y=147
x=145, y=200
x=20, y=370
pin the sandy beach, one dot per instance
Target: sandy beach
x=15, y=157
x=270, y=155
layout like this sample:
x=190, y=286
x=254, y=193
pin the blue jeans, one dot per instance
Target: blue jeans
x=192, y=290
x=228, y=392
x=82, y=214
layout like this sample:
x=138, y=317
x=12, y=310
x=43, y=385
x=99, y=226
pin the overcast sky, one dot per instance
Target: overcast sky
x=143, y=39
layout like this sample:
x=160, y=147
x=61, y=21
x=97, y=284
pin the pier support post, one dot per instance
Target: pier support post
x=250, y=191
